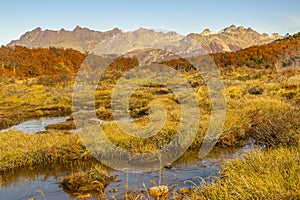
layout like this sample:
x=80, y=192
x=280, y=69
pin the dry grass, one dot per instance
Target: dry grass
x=18, y=149
x=268, y=174
x=83, y=183
x=28, y=98
x=259, y=105
x=270, y=121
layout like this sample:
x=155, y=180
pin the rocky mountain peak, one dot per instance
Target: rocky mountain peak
x=230, y=28
x=77, y=28
x=38, y=29
x=81, y=39
x=206, y=32
x=232, y=38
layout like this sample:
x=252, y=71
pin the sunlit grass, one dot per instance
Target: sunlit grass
x=29, y=98
x=268, y=174
x=270, y=121
x=18, y=149
x=82, y=183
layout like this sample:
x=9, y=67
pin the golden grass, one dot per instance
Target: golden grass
x=27, y=98
x=18, y=149
x=267, y=115
x=268, y=174
x=270, y=121
x=28, y=93
x=82, y=183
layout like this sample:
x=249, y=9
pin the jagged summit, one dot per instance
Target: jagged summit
x=82, y=39
x=206, y=31
x=116, y=41
x=232, y=38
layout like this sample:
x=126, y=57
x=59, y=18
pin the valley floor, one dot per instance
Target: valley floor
x=261, y=104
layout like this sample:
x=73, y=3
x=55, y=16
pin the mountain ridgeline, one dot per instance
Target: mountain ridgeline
x=115, y=41
x=80, y=39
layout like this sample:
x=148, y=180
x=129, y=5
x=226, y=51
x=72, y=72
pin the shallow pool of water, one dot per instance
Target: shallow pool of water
x=36, y=125
x=43, y=182
x=189, y=170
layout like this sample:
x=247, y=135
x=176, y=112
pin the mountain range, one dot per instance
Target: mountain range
x=116, y=41
x=81, y=39
x=281, y=54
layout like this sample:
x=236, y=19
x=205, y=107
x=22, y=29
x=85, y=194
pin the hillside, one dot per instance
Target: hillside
x=280, y=53
x=22, y=61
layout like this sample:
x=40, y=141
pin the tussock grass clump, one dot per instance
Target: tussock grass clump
x=93, y=181
x=19, y=149
x=274, y=122
x=270, y=121
x=269, y=174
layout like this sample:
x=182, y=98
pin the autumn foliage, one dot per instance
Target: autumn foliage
x=280, y=53
x=24, y=62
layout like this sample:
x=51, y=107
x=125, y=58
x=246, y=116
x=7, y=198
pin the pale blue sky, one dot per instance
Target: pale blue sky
x=182, y=16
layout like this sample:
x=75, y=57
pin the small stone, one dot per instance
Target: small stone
x=157, y=191
x=113, y=190
x=84, y=196
x=168, y=166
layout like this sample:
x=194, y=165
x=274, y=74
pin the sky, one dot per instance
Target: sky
x=182, y=16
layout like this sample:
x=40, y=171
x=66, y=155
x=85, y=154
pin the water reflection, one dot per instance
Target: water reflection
x=31, y=182
x=36, y=125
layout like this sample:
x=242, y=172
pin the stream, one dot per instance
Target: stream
x=44, y=182
x=36, y=125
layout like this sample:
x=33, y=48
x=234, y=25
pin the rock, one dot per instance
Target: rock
x=157, y=191
x=184, y=190
x=168, y=166
x=84, y=196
